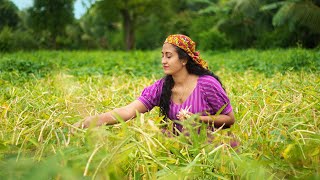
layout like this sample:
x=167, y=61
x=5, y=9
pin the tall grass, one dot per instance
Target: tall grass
x=277, y=118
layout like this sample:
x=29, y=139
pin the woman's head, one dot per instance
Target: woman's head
x=172, y=62
x=188, y=46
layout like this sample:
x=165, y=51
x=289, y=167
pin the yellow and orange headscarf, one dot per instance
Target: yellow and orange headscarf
x=185, y=43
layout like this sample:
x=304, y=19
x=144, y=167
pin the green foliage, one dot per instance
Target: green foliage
x=276, y=132
x=100, y=32
x=302, y=20
x=150, y=29
x=146, y=63
x=268, y=62
x=244, y=23
x=24, y=40
x=21, y=70
x=8, y=14
x=13, y=40
x=24, y=66
x=28, y=169
x=300, y=60
x=213, y=40
x=144, y=24
x=248, y=23
x=6, y=36
x=52, y=16
x=299, y=13
x=132, y=13
x=280, y=37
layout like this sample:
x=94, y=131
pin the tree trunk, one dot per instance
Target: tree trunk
x=128, y=29
x=54, y=42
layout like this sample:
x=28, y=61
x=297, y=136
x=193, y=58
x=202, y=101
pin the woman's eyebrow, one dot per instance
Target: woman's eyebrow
x=166, y=53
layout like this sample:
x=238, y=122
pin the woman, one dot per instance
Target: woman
x=188, y=88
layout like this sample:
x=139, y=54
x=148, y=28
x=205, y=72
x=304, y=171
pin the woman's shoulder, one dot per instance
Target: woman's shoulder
x=207, y=80
x=158, y=83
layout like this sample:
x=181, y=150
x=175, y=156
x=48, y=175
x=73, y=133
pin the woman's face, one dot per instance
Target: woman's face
x=171, y=63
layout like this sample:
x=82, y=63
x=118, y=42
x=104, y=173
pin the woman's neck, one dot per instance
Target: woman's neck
x=182, y=78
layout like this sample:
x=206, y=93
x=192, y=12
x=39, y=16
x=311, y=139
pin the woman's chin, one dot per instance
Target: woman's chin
x=166, y=72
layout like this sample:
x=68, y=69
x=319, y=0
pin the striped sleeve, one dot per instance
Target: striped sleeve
x=215, y=95
x=150, y=96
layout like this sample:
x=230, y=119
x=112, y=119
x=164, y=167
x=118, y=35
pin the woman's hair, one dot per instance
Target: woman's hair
x=192, y=68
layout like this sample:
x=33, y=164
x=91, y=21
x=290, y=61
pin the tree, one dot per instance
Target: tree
x=97, y=30
x=8, y=14
x=131, y=13
x=297, y=13
x=302, y=17
x=51, y=16
x=265, y=23
x=244, y=23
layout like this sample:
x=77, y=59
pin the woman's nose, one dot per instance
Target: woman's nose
x=163, y=60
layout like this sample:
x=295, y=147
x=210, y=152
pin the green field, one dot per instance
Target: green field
x=275, y=95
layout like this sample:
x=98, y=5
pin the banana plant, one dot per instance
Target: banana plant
x=296, y=13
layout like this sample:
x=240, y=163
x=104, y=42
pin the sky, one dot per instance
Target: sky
x=79, y=7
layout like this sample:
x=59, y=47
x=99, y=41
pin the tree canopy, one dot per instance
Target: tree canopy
x=8, y=14
x=51, y=16
x=143, y=24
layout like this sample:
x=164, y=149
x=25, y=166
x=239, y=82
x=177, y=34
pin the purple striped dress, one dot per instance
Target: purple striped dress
x=207, y=97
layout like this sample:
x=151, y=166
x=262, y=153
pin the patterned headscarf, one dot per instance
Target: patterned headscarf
x=185, y=43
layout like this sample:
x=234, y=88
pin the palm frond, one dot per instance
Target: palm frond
x=303, y=13
x=272, y=6
x=248, y=7
x=213, y=9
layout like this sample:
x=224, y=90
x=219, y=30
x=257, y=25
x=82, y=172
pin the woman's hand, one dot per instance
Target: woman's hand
x=85, y=123
x=184, y=114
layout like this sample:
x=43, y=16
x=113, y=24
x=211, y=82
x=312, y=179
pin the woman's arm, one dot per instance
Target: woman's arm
x=225, y=120
x=108, y=118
